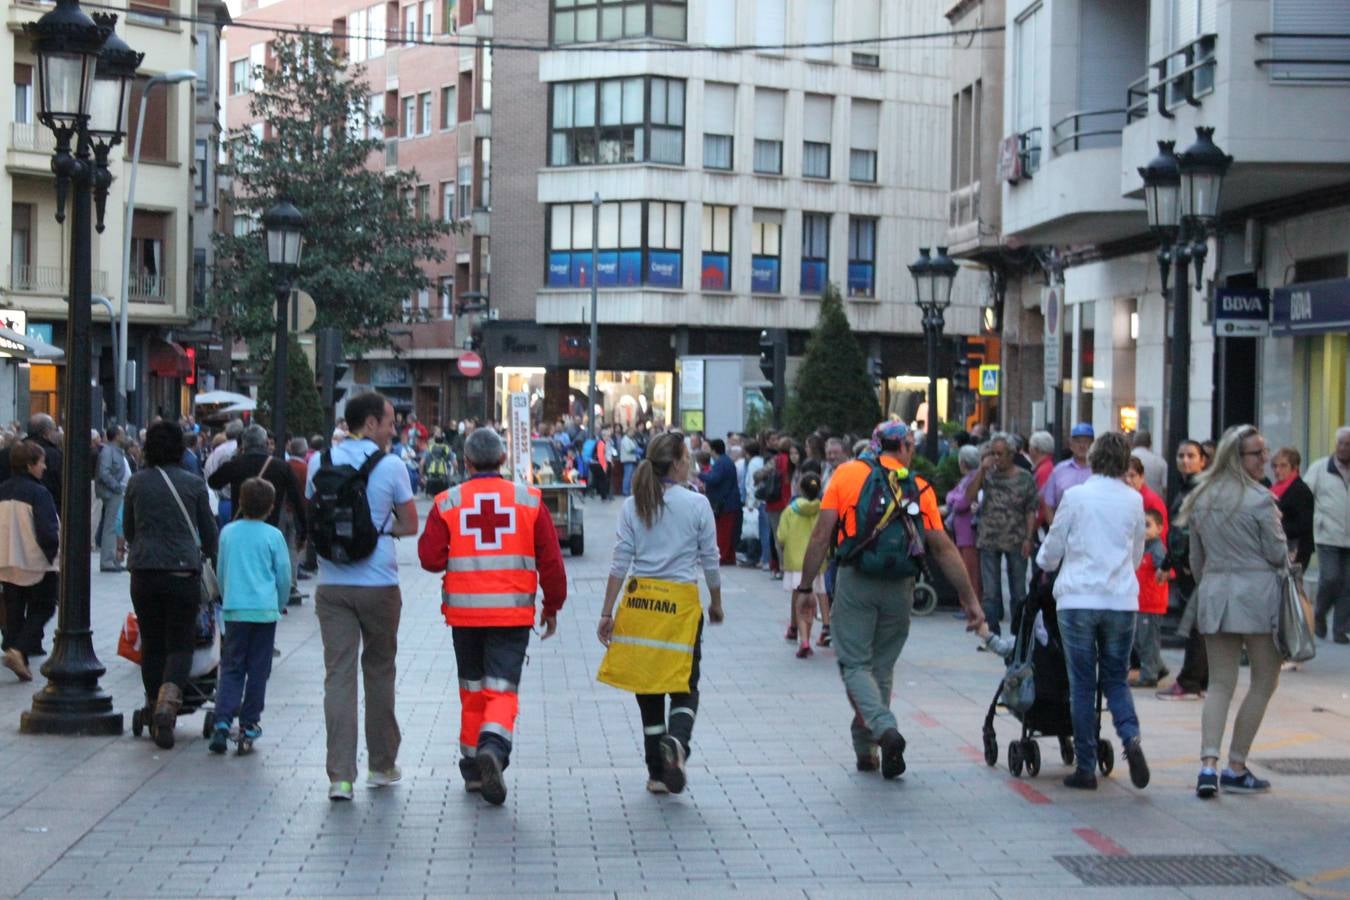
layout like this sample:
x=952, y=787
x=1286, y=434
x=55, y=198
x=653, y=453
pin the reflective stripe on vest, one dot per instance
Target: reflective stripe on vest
x=490, y=563
x=486, y=601
x=491, y=577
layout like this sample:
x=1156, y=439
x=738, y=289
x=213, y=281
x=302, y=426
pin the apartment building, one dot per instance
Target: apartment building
x=33, y=292
x=430, y=77
x=733, y=186
x=1091, y=86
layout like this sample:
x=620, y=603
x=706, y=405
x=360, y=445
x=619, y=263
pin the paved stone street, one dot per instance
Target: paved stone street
x=774, y=806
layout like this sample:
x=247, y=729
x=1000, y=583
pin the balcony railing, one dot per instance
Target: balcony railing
x=32, y=137
x=1185, y=74
x=48, y=279
x=144, y=286
x=1306, y=56
x=1136, y=99
x=1071, y=130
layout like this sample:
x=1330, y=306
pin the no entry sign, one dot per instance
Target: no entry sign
x=471, y=365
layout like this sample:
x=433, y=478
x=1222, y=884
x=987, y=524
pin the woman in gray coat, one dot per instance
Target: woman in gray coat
x=1238, y=551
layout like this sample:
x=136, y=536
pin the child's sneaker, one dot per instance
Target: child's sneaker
x=791, y=633
x=804, y=651
x=824, y=640
x=220, y=738
x=247, y=735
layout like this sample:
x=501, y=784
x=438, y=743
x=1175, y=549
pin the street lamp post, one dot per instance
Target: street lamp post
x=591, y=427
x=933, y=279
x=120, y=355
x=83, y=73
x=1181, y=198
x=284, y=227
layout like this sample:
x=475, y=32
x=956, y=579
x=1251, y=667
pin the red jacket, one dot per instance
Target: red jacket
x=1152, y=596
x=780, y=462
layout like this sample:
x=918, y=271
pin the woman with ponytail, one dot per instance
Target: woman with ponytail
x=666, y=534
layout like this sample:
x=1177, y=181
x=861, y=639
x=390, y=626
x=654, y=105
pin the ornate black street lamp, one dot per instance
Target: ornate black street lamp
x=933, y=280
x=284, y=228
x=1181, y=199
x=81, y=99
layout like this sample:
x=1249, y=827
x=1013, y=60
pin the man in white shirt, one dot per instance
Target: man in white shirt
x=1329, y=479
x=219, y=457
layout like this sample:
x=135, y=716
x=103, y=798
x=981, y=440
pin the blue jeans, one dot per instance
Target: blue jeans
x=628, y=469
x=245, y=664
x=1097, y=650
x=991, y=582
x=765, y=537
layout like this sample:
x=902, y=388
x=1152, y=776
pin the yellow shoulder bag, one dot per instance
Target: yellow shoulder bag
x=655, y=627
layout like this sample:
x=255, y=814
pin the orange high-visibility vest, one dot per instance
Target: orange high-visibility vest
x=491, y=578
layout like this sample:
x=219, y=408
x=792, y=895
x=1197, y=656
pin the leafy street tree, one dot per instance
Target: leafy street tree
x=833, y=386
x=364, y=242
x=304, y=412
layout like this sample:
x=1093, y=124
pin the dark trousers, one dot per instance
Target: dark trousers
x=245, y=664
x=597, y=481
x=27, y=611
x=1097, y=653
x=1194, y=674
x=678, y=723
x=1333, y=587
x=166, y=608
x=490, y=661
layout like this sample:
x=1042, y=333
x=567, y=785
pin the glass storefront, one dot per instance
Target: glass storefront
x=629, y=397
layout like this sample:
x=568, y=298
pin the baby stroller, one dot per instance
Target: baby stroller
x=200, y=689
x=1048, y=714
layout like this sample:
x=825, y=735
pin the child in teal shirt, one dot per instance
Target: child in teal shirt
x=255, y=579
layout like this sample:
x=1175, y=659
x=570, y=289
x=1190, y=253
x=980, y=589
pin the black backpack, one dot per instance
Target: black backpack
x=339, y=512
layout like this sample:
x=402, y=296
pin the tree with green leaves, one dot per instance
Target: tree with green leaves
x=304, y=411
x=833, y=386
x=364, y=242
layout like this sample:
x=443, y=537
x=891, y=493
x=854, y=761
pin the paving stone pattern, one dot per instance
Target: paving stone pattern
x=774, y=807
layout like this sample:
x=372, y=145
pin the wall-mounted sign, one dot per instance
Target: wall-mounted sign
x=16, y=320
x=1241, y=313
x=989, y=381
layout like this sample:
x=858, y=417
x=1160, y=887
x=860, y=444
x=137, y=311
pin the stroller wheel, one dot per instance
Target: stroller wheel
x=137, y=723
x=1015, y=759
x=1066, y=750
x=1106, y=756
x=1032, y=753
x=990, y=749
x=925, y=599
x=208, y=724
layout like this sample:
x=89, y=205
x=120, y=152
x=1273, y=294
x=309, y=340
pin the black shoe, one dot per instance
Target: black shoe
x=1083, y=781
x=672, y=764
x=1320, y=628
x=892, y=754
x=1342, y=639
x=490, y=772
x=868, y=762
x=1134, y=753
x=1207, y=785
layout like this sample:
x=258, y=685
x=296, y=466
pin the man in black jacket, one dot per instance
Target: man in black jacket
x=253, y=461
x=41, y=431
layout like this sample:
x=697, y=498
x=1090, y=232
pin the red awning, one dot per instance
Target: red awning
x=169, y=360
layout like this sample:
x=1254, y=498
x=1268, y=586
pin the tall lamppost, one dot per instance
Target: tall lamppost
x=933, y=279
x=284, y=227
x=1181, y=199
x=84, y=74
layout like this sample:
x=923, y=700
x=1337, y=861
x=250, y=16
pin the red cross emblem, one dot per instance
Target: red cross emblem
x=486, y=523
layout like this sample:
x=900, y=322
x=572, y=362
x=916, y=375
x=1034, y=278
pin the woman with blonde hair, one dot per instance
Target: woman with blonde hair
x=666, y=534
x=1237, y=552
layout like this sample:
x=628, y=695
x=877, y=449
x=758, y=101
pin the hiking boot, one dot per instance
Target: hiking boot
x=1207, y=785
x=493, y=788
x=892, y=754
x=1134, y=754
x=1246, y=783
x=672, y=763
x=1081, y=780
x=220, y=738
x=167, y=704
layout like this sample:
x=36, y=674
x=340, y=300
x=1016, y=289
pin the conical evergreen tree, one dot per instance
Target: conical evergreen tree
x=833, y=387
x=304, y=415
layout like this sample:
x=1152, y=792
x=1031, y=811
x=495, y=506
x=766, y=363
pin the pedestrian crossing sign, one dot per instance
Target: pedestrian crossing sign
x=989, y=381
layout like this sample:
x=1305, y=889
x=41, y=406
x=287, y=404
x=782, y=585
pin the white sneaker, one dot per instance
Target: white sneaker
x=383, y=779
x=340, y=790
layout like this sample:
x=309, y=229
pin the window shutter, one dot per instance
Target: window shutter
x=719, y=108
x=816, y=118
x=866, y=18
x=866, y=121
x=1208, y=19
x=819, y=28
x=768, y=115
x=771, y=22
x=719, y=23
x=23, y=74
x=1311, y=17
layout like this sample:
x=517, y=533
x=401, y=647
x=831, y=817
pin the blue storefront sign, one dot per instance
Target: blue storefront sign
x=607, y=268
x=1241, y=313
x=716, y=273
x=1315, y=307
x=630, y=267
x=559, y=270
x=663, y=268
x=764, y=275
x=814, y=272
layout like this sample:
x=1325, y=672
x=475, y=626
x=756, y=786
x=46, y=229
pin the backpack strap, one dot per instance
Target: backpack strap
x=369, y=465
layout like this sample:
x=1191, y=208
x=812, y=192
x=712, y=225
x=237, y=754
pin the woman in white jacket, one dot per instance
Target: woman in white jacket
x=1096, y=542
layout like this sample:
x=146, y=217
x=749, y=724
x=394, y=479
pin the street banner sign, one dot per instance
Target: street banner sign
x=1241, y=313
x=989, y=377
x=1054, y=309
x=519, y=428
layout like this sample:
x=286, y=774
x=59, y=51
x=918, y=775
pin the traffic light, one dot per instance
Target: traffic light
x=332, y=368
x=877, y=370
x=773, y=365
x=766, y=353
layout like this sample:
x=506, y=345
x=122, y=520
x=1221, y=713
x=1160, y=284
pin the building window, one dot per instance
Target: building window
x=155, y=139
x=21, y=246
x=816, y=119
x=449, y=107
x=424, y=113
x=815, y=252
x=771, y=23
x=410, y=24
x=242, y=224
x=862, y=154
x=1316, y=58
x=618, y=120
x=447, y=201
x=199, y=279
x=428, y=12
x=23, y=94
x=587, y=21
x=618, y=235
x=409, y=117
x=719, y=24
x=719, y=125
x=1030, y=94
x=377, y=24
x=665, y=239
x=422, y=207
x=148, y=265
x=464, y=190
x=769, y=131
x=865, y=21
x=766, y=251
x=819, y=29
x=445, y=292
x=715, y=274
x=375, y=117
x=241, y=77
x=201, y=55
x=149, y=12
x=199, y=171
x=862, y=257
x=485, y=174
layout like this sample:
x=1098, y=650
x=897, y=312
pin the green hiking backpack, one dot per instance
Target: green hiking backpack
x=438, y=463
x=887, y=542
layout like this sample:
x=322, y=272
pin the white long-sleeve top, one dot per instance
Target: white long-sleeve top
x=681, y=541
x=1096, y=542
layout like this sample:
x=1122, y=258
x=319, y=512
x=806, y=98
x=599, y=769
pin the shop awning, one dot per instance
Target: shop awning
x=21, y=345
x=1314, y=307
x=169, y=360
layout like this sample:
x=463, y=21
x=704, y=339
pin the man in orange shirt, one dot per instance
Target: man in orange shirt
x=874, y=590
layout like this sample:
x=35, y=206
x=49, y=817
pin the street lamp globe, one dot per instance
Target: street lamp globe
x=67, y=45
x=113, y=74
x=921, y=270
x=1162, y=189
x=942, y=273
x=285, y=230
x=1203, y=166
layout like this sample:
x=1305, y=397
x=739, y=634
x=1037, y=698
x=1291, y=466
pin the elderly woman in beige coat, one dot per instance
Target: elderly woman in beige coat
x=1238, y=551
